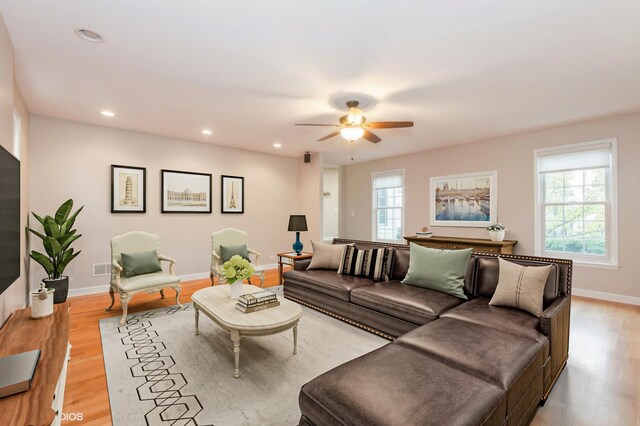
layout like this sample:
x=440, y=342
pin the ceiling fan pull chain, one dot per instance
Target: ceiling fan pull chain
x=351, y=145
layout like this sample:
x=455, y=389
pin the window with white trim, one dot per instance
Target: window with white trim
x=576, y=205
x=17, y=134
x=388, y=196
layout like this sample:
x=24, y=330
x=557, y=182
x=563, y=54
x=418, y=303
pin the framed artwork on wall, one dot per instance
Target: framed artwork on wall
x=469, y=199
x=185, y=192
x=232, y=194
x=128, y=189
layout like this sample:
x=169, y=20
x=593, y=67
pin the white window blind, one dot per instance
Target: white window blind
x=577, y=160
x=387, y=180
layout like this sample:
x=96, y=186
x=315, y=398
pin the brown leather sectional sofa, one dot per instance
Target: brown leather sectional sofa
x=451, y=362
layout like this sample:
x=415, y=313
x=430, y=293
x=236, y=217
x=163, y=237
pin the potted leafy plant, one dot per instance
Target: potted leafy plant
x=56, y=240
x=234, y=271
x=496, y=231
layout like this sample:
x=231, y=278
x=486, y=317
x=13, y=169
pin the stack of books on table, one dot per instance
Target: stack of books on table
x=253, y=302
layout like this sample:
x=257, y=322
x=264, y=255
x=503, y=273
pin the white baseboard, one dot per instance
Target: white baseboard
x=269, y=266
x=611, y=297
x=84, y=291
x=196, y=276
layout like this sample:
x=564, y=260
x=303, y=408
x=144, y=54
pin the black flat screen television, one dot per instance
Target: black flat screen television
x=9, y=219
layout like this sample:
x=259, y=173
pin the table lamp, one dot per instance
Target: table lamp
x=297, y=223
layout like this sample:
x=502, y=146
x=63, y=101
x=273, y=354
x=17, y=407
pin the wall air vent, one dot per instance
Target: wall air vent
x=100, y=269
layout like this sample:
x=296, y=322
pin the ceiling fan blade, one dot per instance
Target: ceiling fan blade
x=329, y=136
x=370, y=136
x=313, y=124
x=388, y=124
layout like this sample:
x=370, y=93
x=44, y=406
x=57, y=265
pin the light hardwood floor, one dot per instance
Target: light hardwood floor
x=600, y=385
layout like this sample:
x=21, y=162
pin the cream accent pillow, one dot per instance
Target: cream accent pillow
x=326, y=256
x=521, y=287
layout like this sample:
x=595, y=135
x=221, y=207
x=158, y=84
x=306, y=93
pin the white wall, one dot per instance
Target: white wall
x=330, y=203
x=73, y=160
x=15, y=297
x=512, y=157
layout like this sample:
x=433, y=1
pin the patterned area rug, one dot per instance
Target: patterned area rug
x=160, y=373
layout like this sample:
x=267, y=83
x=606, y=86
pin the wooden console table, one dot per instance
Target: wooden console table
x=479, y=245
x=42, y=404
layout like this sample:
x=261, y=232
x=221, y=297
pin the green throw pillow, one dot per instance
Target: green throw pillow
x=439, y=270
x=144, y=262
x=227, y=252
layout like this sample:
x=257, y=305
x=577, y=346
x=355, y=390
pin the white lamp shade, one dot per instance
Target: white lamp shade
x=352, y=133
x=354, y=116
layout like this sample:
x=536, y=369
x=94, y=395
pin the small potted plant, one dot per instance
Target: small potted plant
x=496, y=231
x=234, y=271
x=56, y=240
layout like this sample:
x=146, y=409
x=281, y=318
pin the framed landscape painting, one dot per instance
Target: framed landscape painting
x=464, y=200
x=232, y=194
x=185, y=192
x=128, y=189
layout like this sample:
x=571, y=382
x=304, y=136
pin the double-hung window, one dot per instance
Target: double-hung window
x=17, y=134
x=576, y=204
x=388, y=196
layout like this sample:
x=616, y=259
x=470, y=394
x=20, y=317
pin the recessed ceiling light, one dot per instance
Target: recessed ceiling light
x=206, y=132
x=107, y=113
x=89, y=35
x=277, y=145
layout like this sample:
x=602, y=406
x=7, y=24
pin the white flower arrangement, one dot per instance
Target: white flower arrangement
x=237, y=269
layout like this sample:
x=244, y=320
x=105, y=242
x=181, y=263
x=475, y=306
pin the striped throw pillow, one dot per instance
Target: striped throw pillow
x=370, y=263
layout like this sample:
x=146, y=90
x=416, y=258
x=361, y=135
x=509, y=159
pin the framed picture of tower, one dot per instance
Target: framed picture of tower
x=232, y=194
x=185, y=192
x=128, y=189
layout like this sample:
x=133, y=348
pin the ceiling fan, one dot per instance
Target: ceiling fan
x=354, y=125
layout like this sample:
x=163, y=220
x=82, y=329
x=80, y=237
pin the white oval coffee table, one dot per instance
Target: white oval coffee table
x=215, y=303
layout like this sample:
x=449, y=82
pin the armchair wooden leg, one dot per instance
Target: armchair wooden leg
x=124, y=301
x=178, y=290
x=211, y=276
x=113, y=299
x=162, y=294
x=261, y=276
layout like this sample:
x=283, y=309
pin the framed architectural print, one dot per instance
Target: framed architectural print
x=232, y=194
x=185, y=192
x=128, y=189
x=464, y=200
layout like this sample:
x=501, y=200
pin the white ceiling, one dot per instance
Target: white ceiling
x=461, y=70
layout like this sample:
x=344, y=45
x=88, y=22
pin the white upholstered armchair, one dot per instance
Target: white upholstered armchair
x=127, y=287
x=231, y=237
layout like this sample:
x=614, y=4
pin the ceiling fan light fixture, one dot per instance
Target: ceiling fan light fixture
x=354, y=116
x=352, y=134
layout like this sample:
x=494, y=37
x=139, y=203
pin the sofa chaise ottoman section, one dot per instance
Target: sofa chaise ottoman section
x=511, y=362
x=399, y=385
x=410, y=303
x=327, y=282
